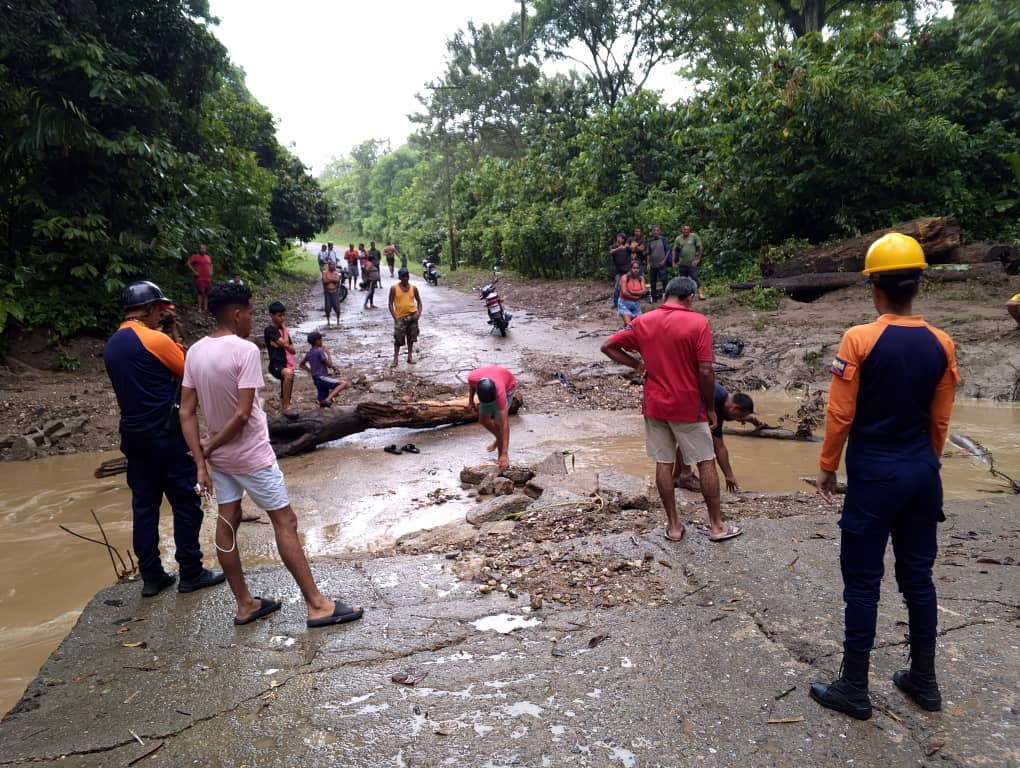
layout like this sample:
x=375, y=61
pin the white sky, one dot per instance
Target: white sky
x=337, y=72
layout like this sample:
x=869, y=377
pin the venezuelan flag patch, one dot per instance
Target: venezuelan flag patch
x=838, y=367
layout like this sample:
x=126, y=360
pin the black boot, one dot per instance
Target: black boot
x=919, y=681
x=849, y=692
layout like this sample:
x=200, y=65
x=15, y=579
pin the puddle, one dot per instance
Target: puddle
x=777, y=465
x=522, y=708
x=504, y=623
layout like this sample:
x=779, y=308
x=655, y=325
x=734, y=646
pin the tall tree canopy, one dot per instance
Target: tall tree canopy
x=128, y=138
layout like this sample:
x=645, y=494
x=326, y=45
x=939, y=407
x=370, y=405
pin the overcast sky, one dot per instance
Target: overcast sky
x=337, y=72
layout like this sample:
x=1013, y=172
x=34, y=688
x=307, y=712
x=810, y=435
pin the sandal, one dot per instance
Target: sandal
x=691, y=483
x=666, y=535
x=410, y=448
x=392, y=449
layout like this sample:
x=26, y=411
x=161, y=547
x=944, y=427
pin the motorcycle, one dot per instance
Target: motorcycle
x=429, y=272
x=499, y=318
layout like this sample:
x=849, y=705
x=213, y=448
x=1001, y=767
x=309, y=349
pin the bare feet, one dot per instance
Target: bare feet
x=492, y=446
x=503, y=462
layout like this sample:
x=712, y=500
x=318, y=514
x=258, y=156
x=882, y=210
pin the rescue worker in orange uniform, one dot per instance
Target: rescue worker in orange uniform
x=893, y=383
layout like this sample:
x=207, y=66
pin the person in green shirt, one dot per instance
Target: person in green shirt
x=687, y=251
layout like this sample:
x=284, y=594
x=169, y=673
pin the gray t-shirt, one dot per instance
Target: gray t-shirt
x=656, y=249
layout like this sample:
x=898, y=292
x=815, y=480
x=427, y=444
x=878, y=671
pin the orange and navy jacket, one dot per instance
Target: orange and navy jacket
x=893, y=383
x=145, y=367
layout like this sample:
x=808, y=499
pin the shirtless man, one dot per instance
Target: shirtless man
x=331, y=291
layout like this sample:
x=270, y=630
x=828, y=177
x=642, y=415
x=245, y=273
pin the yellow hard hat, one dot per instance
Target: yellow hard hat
x=894, y=252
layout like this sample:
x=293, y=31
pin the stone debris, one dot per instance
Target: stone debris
x=498, y=508
x=622, y=491
x=41, y=440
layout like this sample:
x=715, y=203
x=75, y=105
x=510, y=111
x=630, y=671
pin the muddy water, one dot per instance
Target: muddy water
x=777, y=466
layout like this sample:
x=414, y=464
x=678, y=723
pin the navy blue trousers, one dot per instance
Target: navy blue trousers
x=660, y=274
x=158, y=466
x=898, y=497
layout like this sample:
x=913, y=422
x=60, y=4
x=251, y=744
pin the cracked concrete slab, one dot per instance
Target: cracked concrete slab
x=749, y=624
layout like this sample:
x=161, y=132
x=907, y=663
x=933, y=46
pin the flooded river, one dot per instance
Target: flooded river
x=351, y=496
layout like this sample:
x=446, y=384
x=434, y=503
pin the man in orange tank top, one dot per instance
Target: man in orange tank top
x=405, y=308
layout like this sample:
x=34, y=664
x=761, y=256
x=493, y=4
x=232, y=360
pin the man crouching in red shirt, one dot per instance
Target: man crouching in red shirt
x=675, y=348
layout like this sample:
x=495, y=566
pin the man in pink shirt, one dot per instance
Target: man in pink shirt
x=675, y=348
x=222, y=375
x=494, y=386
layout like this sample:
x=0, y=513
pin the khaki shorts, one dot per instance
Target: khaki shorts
x=662, y=438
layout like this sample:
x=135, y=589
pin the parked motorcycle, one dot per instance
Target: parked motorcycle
x=499, y=318
x=430, y=272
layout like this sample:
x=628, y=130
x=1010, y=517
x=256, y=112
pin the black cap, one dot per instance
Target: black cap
x=140, y=293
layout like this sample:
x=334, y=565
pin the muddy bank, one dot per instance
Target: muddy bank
x=713, y=668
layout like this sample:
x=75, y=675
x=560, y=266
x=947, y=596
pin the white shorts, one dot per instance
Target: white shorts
x=265, y=487
x=694, y=439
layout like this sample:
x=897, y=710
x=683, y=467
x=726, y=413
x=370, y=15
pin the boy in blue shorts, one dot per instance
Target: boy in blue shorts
x=318, y=362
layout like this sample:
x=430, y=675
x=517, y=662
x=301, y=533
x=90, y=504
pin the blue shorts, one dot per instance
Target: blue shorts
x=324, y=385
x=265, y=487
x=631, y=308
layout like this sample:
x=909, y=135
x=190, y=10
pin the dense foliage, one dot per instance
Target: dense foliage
x=790, y=134
x=127, y=139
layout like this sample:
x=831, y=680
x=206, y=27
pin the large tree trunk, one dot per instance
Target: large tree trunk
x=937, y=235
x=808, y=287
x=301, y=432
x=980, y=253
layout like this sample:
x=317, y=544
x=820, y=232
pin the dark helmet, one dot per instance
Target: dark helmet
x=141, y=293
x=486, y=390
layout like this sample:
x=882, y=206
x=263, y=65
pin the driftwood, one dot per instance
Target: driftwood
x=810, y=286
x=773, y=433
x=111, y=467
x=297, y=433
x=937, y=235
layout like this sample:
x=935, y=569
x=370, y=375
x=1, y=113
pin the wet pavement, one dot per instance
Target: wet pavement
x=749, y=624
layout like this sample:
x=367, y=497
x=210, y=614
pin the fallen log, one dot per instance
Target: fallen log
x=111, y=467
x=810, y=286
x=772, y=433
x=295, y=433
x=982, y=253
x=937, y=235
x=301, y=431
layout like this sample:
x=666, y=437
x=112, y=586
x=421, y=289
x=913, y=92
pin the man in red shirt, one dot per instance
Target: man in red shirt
x=200, y=265
x=675, y=348
x=494, y=387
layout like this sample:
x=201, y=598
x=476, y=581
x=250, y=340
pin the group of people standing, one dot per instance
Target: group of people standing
x=643, y=266
x=159, y=390
x=892, y=392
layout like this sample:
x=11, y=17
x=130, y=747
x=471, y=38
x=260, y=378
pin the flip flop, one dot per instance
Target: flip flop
x=732, y=531
x=410, y=448
x=690, y=484
x=342, y=613
x=392, y=449
x=667, y=537
x=267, y=605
